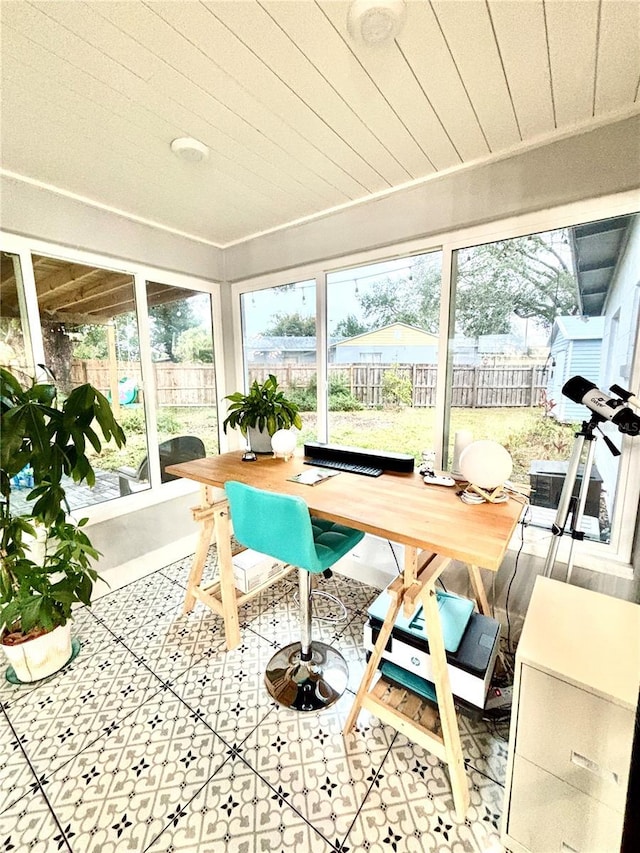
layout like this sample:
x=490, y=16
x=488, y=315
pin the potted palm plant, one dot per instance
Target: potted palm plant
x=261, y=413
x=39, y=586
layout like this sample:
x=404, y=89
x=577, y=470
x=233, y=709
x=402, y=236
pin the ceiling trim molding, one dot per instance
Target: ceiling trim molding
x=513, y=151
x=16, y=176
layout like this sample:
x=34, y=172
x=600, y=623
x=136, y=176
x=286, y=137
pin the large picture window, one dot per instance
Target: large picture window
x=383, y=333
x=181, y=337
x=528, y=314
x=89, y=328
x=476, y=341
x=86, y=322
x=279, y=339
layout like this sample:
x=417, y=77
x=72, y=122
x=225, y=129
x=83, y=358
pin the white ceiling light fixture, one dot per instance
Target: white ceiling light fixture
x=376, y=22
x=189, y=150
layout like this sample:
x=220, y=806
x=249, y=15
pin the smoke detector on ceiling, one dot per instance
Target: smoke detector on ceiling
x=189, y=149
x=375, y=22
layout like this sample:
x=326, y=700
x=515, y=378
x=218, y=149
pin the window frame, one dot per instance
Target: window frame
x=610, y=558
x=24, y=247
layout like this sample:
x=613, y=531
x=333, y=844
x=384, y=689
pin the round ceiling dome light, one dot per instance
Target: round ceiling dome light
x=189, y=150
x=376, y=22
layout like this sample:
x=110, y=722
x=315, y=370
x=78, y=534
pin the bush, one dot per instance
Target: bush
x=396, y=389
x=545, y=438
x=340, y=397
x=168, y=422
x=304, y=398
x=132, y=421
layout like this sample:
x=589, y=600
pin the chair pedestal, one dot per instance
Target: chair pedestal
x=306, y=675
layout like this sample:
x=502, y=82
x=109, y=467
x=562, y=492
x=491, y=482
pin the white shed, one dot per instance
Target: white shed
x=575, y=350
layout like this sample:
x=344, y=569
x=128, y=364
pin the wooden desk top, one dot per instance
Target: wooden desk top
x=399, y=507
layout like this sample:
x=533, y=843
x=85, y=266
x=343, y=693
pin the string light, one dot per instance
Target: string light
x=375, y=275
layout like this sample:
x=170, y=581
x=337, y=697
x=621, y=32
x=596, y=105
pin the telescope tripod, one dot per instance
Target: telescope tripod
x=568, y=503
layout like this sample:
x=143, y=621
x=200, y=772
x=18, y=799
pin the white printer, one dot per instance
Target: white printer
x=470, y=640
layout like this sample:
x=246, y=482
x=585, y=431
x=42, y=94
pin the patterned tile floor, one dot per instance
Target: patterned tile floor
x=156, y=739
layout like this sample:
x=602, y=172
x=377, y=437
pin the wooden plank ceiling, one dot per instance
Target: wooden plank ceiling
x=76, y=294
x=299, y=117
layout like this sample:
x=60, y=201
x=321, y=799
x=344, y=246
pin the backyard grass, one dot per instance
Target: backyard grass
x=523, y=431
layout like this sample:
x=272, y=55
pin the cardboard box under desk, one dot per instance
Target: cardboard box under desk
x=251, y=568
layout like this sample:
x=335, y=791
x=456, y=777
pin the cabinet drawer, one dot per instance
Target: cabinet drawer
x=547, y=814
x=578, y=737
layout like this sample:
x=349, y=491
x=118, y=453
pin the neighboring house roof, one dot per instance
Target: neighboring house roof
x=289, y=343
x=498, y=343
x=578, y=328
x=395, y=334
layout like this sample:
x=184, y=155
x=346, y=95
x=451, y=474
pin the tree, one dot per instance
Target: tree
x=195, y=345
x=168, y=321
x=525, y=277
x=292, y=325
x=91, y=340
x=350, y=326
x=412, y=299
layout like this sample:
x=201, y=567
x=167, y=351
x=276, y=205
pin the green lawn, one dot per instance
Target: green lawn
x=524, y=431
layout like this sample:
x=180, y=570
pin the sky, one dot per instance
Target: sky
x=260, y=307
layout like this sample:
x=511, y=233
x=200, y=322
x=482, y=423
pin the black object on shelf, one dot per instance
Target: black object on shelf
x=547, y=479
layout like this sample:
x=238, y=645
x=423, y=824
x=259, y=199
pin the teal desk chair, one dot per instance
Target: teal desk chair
x=306, y=675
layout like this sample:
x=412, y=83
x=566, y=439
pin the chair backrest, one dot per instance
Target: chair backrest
x=182, y=448
x=274, y=524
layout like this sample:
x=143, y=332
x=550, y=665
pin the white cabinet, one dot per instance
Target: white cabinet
x=574, y=704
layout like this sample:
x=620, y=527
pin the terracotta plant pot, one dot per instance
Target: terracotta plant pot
x=42, y=656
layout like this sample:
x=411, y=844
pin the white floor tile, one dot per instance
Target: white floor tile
x=157, y=740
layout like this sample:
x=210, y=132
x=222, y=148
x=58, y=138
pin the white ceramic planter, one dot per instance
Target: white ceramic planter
x=35, y=548
x=43, y=656
x=260, y=441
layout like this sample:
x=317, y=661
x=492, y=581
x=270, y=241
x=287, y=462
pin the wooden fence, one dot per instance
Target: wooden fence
x=473, y=386
x=176, y=384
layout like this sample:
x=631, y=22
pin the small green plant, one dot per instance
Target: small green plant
x=168, y=422
x=51, y=441
x=544, y=438
x=133, y=422
x=263, y=408
x=396, y=389
x=340, y=397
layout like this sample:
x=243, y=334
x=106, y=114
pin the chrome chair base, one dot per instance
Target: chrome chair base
x=307, y=685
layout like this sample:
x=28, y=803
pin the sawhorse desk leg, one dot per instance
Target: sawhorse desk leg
x=213, y=516
x=479, y=592
x=400, y=708
x=203, y=515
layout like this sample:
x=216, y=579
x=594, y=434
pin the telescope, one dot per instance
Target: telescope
x=603, y=408
x=613, y=409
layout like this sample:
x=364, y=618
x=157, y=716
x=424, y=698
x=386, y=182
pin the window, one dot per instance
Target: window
x=279, y=338
x=82, y=320
x=181, y=337
x=383, y=332
x=529, y=313
x=15, y=342
x=521, y=315
x=89, y=328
